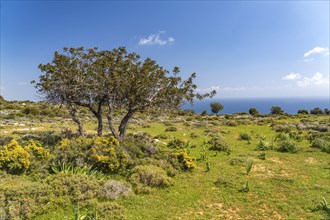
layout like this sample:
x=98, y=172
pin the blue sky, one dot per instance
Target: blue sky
x=240, y=48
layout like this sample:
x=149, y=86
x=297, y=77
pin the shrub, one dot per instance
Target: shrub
x=183, y=160
x=216, y=107
x=316, y=111
x=262, y=156
x=145, y=177
x=31, y=110
x=39, y=157
x=14, y=158
x=302, y=111
x=276, y=110
x=110, y=210
x=232, y=123
x=100, y=152
x=294, y=135
x=139, y=145
x=177, y=143
x=287, y=146
x=113, y=189
x=218, y=144
x=253, y=111
x=245, y=136
x=193, y=135
x=263, y=145
x=322, y=144
x=171, y=129
x=282, y=127
x=281, y=136
x=204, y=113
x=21, y=198
x=74, y=188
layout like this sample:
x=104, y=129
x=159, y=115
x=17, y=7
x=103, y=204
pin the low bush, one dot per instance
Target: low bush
x=113, y=189
x=287, y=146
x=103, y=153
x=263, y=145
x=171, y=129
x=146, y=177
x=110, y=210
x=178, y=144
x=245, y=136
x=183, y=160
x=322, y=144
x=74, y=189
x=218, y=144
x=14, y=159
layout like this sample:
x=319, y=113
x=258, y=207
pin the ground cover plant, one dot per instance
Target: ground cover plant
x=266, y=166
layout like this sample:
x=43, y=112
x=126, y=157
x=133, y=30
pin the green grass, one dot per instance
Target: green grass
x=283, y=186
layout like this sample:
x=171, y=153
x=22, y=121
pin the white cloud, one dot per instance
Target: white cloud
x=317, y=50
x=317, y=79
x=292, y=76
x=155, y=39
x=22, y=83
x=234, y=88
x=216, y=88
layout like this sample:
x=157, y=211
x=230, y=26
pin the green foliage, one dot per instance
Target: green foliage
x=216, y=107
x=113, y=189
x=263, y=145
x=183, y=160
x=171, y=129
x=21, y=198
x=31, y=110
x=322, y=143
x=79, y=77
x=218, y=144
x=14, y=158
x=302, y=112
x=102, y=153
x=69, y=168
x=316, y=111
x=74, y=188
x=287, y=146
x=262, y=156
x=178, y=144
x=245, y=136
x=110, y=210
x=245, y=187
x=248, y=166
x=145, y=177
x=253, y=111
x=276, y=110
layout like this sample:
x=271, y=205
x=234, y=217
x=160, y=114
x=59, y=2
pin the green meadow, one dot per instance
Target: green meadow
x=170, y=166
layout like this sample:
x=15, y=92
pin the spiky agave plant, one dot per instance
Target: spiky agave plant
x=248, y=166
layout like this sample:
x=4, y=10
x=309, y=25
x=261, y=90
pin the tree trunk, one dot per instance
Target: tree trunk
x=73, y=113
x=123, y=124
x=99, y=125
x=110, y=122
x=98, y=115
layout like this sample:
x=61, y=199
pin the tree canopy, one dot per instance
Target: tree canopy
x=112, y=80
x=216, y=107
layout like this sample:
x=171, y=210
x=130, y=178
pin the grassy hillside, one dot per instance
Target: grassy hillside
x=174, y=167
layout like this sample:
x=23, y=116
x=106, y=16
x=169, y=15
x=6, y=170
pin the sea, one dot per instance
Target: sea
x=263, y=105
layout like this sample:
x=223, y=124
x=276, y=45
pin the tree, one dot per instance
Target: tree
x=316, y=111
x=216, y=107
x=253, y=111
x=113, y=81
x=276, y=110
x=302, y=111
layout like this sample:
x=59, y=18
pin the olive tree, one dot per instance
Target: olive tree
x=216, y=107
x=112, y=81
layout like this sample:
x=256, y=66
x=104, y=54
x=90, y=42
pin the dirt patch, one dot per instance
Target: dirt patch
x=311, y=160
x=275, y=159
